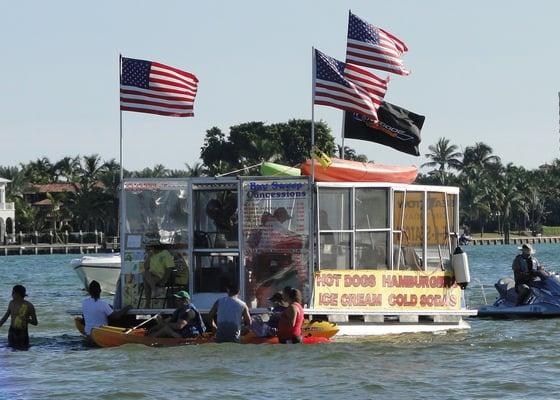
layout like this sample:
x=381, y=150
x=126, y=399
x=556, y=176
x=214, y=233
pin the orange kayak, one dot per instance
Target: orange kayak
x=314, y=332
x=355, y=171
x=110, y=336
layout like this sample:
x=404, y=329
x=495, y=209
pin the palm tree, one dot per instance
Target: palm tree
x=159, y=171
x=39, y=171
x=92, y=167
x=265, y=150
x=67, y=167
x=479, y=156
x=350, y=154
x=444, y=156
x=197, y=169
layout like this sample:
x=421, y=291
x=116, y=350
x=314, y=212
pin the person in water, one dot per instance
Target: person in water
x=270, y=327
x=186, y=321
x=229, y=312
x=526, y=269
x=291, y=320
x=97, y=312
x=22, y=313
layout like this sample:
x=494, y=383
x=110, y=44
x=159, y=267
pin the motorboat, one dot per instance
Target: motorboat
x=542, y=302
x=104, y=269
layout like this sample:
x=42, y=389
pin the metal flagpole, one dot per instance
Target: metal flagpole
x=313, y=243
x=120, y=123
x=343, y=126
x=313, y=67
x=120, y=223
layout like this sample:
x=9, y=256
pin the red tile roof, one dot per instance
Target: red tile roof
x=55, y=187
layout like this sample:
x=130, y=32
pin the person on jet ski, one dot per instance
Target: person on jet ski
x=526, y=269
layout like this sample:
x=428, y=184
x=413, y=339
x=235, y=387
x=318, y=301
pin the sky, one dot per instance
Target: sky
x=481, y=72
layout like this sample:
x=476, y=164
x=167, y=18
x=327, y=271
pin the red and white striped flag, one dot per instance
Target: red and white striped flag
x=154, y=88
x=347, y=87
x=373, y=47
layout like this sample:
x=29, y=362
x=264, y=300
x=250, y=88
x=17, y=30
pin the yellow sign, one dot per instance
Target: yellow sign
x=374, y=290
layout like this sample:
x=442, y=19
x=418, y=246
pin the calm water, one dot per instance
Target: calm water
x=494, y=359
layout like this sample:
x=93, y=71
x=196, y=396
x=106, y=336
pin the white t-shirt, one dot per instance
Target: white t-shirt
x=95, y=313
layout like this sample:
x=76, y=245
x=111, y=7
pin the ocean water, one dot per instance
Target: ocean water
x=494, y=359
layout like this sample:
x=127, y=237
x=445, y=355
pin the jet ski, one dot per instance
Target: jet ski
x=542, y=302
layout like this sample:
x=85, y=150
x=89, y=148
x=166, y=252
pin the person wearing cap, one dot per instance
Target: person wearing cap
x=526, y=269
x=22, y=313
x=185, y=322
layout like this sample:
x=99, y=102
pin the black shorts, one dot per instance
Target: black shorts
x=18, y=338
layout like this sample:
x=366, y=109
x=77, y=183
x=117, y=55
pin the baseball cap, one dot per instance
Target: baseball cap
x=183, y=294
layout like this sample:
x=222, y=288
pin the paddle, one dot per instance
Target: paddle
x=138, y=326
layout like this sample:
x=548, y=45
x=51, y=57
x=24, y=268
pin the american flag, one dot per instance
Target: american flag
x=347, y=86
x=373, y=47
x=151, y=87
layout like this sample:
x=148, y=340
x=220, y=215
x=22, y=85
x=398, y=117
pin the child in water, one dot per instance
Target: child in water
x=22, y=313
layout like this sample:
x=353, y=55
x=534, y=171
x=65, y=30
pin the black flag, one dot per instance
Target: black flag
x=397, y=128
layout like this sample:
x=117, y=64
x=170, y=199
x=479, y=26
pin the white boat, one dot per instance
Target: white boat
x=104, y=269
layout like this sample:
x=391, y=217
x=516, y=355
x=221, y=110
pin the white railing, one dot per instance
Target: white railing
x=7, y=207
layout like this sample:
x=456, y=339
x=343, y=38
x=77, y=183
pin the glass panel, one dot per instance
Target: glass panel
x=155, y=243
x=371, y=250
x=213, y=271
x=406, y=257
x=372, y=210
x=398, y=210
x=158, y=214
x=335, y=206
x=453, y=224
x=276, y=219
x=438, y=247
x=215, y=219
x=335, y=250
x=410, y=222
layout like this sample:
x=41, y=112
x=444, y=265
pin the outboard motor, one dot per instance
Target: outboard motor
x=460, y=264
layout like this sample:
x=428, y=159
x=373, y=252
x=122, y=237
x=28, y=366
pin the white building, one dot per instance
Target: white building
x=7, y=214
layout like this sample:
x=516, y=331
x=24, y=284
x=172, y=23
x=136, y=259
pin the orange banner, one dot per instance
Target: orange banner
x=374, y=290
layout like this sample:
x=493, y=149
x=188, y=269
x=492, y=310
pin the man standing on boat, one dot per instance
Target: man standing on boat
x=229, y=311
x=526, y=269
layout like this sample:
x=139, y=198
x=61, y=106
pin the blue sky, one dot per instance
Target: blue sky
x=481, y=71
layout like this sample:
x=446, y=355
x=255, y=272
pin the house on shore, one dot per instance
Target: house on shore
x=7, y=215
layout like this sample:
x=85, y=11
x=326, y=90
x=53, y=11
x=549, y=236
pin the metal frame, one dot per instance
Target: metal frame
x=391, y=189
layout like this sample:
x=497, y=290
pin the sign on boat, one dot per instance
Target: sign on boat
x=375, y=258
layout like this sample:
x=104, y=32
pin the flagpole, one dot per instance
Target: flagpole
x=120, y=222
x=313, y=201
x=120, y=123
x=314, y=72
x=343, y=126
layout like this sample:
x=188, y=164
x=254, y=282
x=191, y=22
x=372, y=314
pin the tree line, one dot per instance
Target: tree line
x=493, y=196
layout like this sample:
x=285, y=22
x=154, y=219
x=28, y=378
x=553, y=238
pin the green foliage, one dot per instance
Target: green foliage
x=551, y=230
x=493, y=196
x=251, y=143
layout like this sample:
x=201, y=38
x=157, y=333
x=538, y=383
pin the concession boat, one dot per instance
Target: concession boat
x=374, y=257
